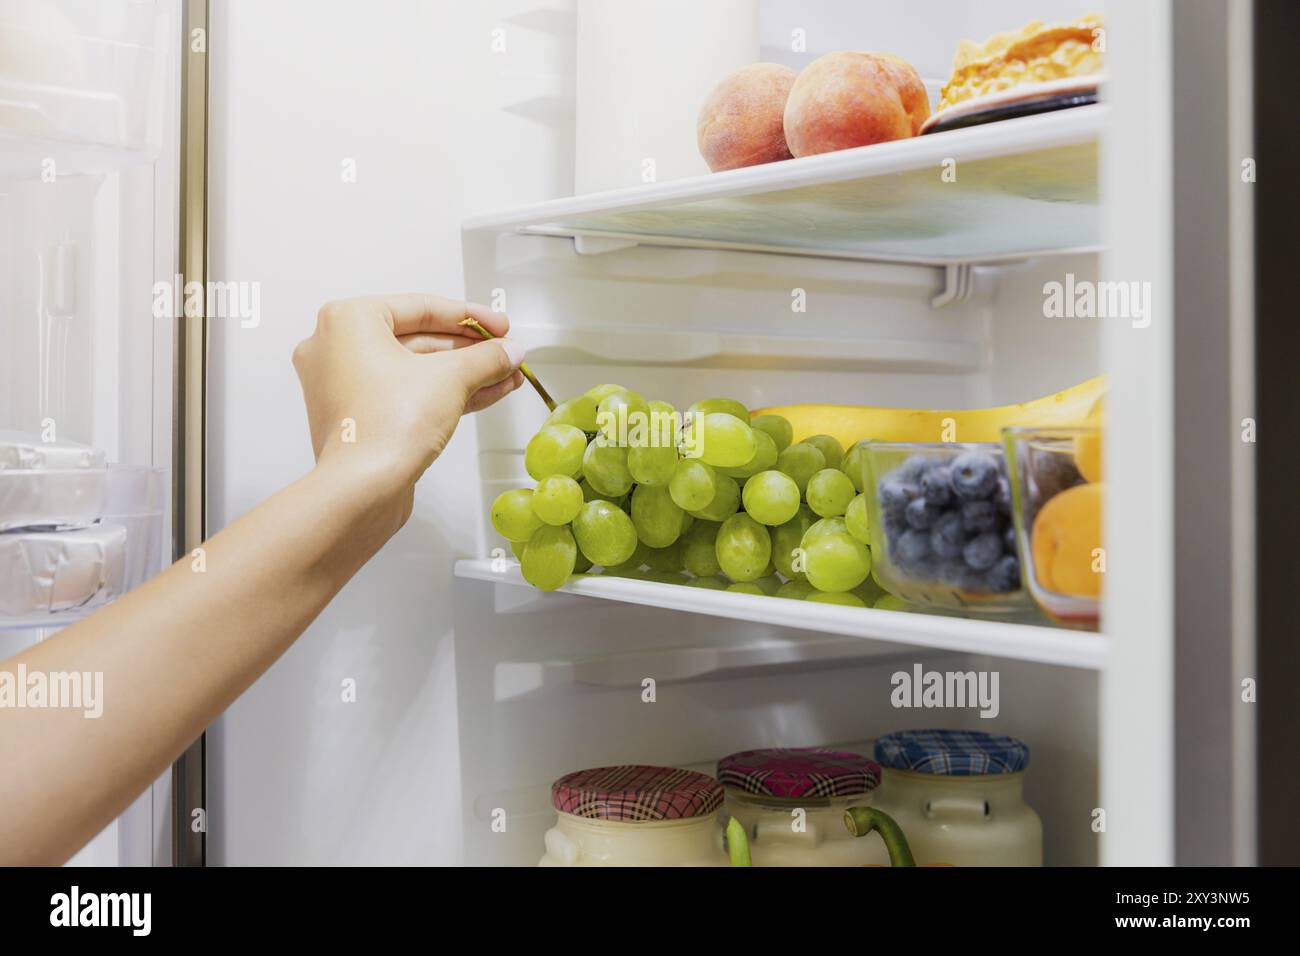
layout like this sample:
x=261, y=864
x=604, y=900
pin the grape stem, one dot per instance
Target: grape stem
x=523, y=366
x=863, y=820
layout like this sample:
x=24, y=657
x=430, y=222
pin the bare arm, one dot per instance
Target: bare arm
x=176, y=652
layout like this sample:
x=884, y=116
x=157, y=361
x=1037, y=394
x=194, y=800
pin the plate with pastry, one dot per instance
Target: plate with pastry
x=1037, y=69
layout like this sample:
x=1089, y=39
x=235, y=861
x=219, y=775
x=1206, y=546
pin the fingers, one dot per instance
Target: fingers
x=486, y=397
x=414, y=312
x=485, y=363
x=423, y=343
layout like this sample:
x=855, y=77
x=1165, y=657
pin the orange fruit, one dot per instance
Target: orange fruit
x=1065, y=540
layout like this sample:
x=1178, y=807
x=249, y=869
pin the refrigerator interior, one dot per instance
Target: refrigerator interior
x=87, y=207
x=682, y=290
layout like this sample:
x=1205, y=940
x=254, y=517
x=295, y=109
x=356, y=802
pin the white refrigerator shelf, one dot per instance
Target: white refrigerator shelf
x=1016, y=641
x=1005, y=190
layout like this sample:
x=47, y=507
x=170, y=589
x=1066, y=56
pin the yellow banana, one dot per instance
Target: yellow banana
x=852, y=423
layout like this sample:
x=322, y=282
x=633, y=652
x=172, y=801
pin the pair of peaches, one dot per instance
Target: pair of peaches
x=766, y=112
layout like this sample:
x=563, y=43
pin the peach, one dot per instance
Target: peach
x=742, y=121
x=842, y=100
x=1066, y=532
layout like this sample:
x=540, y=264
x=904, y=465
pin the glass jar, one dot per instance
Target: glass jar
x=635, y=816
x=791, y=802
x=958, y=796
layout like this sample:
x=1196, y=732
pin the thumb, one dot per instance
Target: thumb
x=486, y=363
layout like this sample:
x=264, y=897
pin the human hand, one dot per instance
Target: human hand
x=387, y=378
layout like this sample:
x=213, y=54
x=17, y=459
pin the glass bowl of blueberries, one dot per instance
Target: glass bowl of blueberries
x=942, y=533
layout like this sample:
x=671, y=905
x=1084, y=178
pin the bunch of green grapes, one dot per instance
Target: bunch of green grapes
x=714, y=499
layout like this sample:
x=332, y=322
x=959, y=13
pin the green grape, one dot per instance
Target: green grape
x=599, y=393
x=666, y=559
x=778, y=429
x=709, y=583
x=795, y=590
x=665, y=430
x=549, y=558
x=746, y=587
x=517, y=549
x=619, y=414
x=692, y=485
x=605, y=468
x=557, y=499
x=605, y=533
x=786, y=538
x=513, y=515
x=854, y=465
x=591, y=494
x=725, y=503
x=580, y=412
x=891, y=603
x=726, y=441
x=837, y=562
x=771, y=498
x=661, y=577
x=743, y=547
x=869, y=591
x=652, y=466
x=856, y=521
x=829, y=492
x=727, y=406
x=555, y=450
x=765, y=455
x=640, y=555
x=830, y=448
x=698, y=544
x=836, y=597
x=582, y=565
x=688, y=520
x=821, y=527
x=769, y=584
x=801, y=461
x=658, y=521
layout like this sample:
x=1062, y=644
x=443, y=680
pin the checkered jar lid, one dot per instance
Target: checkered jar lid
x=636, y=794
x=793, y=772
x=953, y=753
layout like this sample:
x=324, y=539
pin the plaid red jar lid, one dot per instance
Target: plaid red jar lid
x=793, y=772
x=636, y=794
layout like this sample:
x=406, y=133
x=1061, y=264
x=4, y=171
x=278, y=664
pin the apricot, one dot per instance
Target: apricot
x=1066, y=532
x=842, y=100
x=742, y=121
x=1087, y=454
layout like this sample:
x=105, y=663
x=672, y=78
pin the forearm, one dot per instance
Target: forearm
x=175, y=653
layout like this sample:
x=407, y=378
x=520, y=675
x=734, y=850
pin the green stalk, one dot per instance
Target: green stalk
x=862, y=820
x=737, y=843
x=523, y=366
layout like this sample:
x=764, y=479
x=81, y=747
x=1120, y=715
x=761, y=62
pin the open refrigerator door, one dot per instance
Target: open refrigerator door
x=88, y=183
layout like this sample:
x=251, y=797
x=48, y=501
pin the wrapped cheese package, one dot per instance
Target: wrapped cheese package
x=54, y=571
x=49, y=484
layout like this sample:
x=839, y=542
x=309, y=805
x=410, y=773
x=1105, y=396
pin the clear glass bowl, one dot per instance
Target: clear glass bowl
x=1044, y=466
x=956, y=549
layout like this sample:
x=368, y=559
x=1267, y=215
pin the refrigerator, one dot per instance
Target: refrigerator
x=299, y=152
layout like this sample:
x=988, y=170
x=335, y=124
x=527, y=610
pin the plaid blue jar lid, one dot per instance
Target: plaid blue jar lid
x=636, y=794
x=953, y=753
x=795, y=772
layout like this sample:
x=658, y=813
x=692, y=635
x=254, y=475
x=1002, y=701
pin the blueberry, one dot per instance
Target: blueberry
x=914, y=467
x=921, y=514
x=1002, y=497
x=895, y=495
x=1009, y=540
x=936, y=486
x=953, y=572
x=1005, y=575
x=978, y=516
x=947, y=538
x=912, y=549
x=895, y=525
x=974, y=475
x=982, y=551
